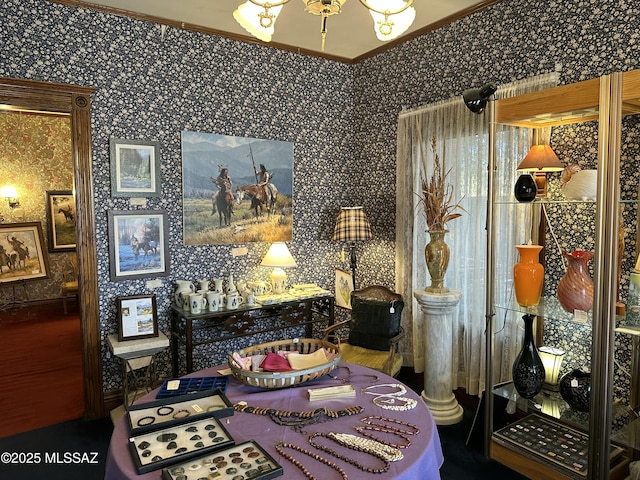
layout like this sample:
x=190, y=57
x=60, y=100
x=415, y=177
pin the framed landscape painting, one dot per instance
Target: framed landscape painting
x=61, y=220
x=236, y=189
x=138, y=244
x=135, y=168
x=22, y=254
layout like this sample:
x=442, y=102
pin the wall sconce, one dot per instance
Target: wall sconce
x=540, y=160
x=10, y=195
x=278, y=256
x=552, y=360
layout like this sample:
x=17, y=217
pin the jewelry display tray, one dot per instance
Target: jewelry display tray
x=254, y=464
x=192, y=385
x=199, y=405
x=162, y=448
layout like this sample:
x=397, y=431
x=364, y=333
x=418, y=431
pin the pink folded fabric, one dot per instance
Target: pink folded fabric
x=275, y=363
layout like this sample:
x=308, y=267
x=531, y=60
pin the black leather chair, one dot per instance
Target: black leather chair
x=374, y=330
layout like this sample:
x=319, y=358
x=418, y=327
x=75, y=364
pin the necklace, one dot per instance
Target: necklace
x=401, y=389
x=363, y=430
x=389, y=402
x=359, y=444
x=414, y=430
x=281, y=445
x=297, y=420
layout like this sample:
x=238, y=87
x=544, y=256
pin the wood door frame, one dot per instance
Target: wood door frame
x=76, y=101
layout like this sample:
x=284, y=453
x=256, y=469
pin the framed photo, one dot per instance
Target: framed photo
x=61, y=221
x=22, y=256
x=137, y=317
x=135, y=168
x=344, y=287
x=138, y=244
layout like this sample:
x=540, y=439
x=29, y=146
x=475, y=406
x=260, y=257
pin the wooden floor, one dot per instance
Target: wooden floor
x=40, y=367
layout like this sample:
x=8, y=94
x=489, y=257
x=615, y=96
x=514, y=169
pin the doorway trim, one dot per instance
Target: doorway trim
x=76, y=101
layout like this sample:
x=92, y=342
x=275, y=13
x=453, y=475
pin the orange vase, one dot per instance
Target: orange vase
x=528, y=276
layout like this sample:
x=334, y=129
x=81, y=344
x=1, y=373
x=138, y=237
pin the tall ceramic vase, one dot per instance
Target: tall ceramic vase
x=575, y=289
x=436, y=254
x=528, y=370
x=528, y=276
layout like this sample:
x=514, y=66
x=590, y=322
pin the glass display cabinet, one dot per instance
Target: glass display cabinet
x=544, y=437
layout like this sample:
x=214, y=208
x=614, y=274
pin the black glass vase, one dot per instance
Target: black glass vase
x=526, y=189
x=528, y=371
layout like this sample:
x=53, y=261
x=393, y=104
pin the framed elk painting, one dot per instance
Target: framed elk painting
x=61, y=221
x=138, y=244
x=22, y=256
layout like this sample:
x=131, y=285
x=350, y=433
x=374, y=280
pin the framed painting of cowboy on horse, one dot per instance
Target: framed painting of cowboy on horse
x=236, y=189
x=138, y=244
x=61, y=221
x=22, y=256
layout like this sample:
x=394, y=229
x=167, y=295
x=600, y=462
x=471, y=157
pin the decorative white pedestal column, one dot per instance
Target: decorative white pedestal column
x=438, y=311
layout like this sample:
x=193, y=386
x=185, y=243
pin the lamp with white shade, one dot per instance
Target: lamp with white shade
x=279, y=257
x=552, y=360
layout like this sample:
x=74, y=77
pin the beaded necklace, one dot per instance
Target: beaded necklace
x=297, y=420
x=281, y=445
x=383, y=452
x=363, y=431
x=414, y=430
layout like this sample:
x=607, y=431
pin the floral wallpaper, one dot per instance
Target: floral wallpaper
x=35, y=157
x=344, y=143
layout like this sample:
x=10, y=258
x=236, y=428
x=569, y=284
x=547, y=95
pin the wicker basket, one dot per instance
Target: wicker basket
x=290, y=378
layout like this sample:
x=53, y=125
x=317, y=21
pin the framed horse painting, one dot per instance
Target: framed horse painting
x=22, y=254
x=138, y=245
x=61, y=221
x=236, y=189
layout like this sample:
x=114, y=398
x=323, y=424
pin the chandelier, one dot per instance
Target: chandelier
x=391, y=18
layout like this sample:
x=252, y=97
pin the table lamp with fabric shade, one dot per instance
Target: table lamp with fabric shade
x=540, y=160
x=352, y=226
x=279, y=257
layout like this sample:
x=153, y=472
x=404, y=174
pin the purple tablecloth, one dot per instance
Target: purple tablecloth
x=422, y=459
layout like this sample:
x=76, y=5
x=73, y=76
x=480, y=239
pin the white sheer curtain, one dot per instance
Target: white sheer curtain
x=462, y=144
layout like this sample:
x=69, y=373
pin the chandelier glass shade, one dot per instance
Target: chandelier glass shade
x=391, y=18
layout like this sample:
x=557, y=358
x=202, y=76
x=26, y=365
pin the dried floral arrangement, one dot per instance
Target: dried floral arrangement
x=436, y=198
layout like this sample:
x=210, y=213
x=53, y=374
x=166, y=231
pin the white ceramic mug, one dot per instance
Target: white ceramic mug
x=250, y=299
x=195, y=301
x=217, y=285
x=213, y=301
x=233, y=301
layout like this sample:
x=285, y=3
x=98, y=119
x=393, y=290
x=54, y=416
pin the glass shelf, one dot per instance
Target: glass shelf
x=625, y=428
x=550, y=309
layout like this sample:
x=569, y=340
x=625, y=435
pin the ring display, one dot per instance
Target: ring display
x=161, y=448
x=245, y=461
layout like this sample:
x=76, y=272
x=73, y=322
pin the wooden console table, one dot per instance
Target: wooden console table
x=242, y=322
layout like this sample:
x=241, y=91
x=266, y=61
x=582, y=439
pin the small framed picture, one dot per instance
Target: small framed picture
x=138, y=244
x=22, y=254
x=135, y=168
x=61, y=220
x=137, y=317
x=344, y=287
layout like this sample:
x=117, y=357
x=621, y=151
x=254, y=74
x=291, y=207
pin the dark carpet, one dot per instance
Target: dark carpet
x=76, y=449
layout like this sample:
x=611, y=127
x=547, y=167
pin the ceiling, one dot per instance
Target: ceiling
x=350, y=34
